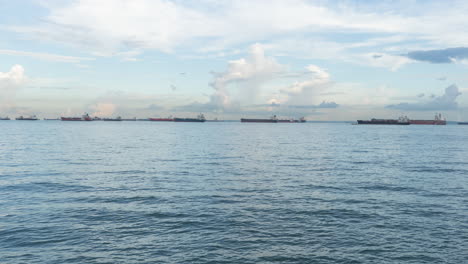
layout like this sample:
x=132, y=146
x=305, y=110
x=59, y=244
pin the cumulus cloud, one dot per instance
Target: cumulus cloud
x=242, y=85
x=10, y=82
x=447, y=101
x=249, y=74
x=449, y=55
x=308, y=90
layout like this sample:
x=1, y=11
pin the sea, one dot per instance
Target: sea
x=231, y=192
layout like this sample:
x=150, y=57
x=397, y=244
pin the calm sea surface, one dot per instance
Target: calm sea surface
x=149, y=192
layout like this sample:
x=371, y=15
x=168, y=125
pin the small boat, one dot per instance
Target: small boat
x=4, y=118
x=29, y=118
x=51, y=119
x=113, y=119
x=463, y=123
x=199, y=118
x=129, y=119
x=85, y=117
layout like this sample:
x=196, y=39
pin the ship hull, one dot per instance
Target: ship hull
x=196, y=120
x=428, y=122
x=75, y=119
x=382, y=122
x=250, y=120
x=291, y=121
x=463, y=123
x=162, y=119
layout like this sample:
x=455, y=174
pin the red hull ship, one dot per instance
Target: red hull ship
x=436, y=121
x=85, y=117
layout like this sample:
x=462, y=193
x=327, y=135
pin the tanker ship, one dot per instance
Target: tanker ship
x=33, y=117
x=272, y=119
x=403, y=120
x=438, y=120
x=85, y=117
x=167, y=119
x=199, y=118
x=113, y=119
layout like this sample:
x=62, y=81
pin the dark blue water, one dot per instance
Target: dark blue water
x=148, y=192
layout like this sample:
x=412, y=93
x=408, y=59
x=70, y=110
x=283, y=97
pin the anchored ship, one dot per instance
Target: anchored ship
x=272, y=119
x=438, y=120
x=85, y=117
x=113, y=119
x=167, y=119
x=33, y=117
x=259, y=120
x=403, y=120
x=300, y=120
x=199, y=118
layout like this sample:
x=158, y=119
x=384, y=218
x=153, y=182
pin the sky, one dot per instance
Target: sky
x=325, y=60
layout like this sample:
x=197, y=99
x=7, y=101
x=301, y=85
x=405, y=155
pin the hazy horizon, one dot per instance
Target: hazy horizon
x=325, y=60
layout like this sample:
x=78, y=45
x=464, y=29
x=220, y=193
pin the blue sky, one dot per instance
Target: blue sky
x=326, y=60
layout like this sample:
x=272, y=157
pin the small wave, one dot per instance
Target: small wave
x=392, y=188
x=124, y=172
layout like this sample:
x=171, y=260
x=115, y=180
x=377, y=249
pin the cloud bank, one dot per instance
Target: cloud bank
x=450, y=55
x=447, y=101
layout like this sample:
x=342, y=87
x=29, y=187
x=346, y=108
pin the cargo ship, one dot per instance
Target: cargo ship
x=160, y=119
x=438, y=120
x=300, y=120
x=113, y=119
x=403, y=120
x=273, y=119
x=85, y=117
x=463, y=123
x=199, y=118
x=4, y=118
x=33, y=117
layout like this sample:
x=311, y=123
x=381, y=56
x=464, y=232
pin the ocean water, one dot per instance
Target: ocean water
x=149, y=192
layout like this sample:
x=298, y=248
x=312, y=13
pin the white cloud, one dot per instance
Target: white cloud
x=246, y=83
x=108, y=27
x=249, y=74
x=10, y=82
x=45, y=56
x=308, y=91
